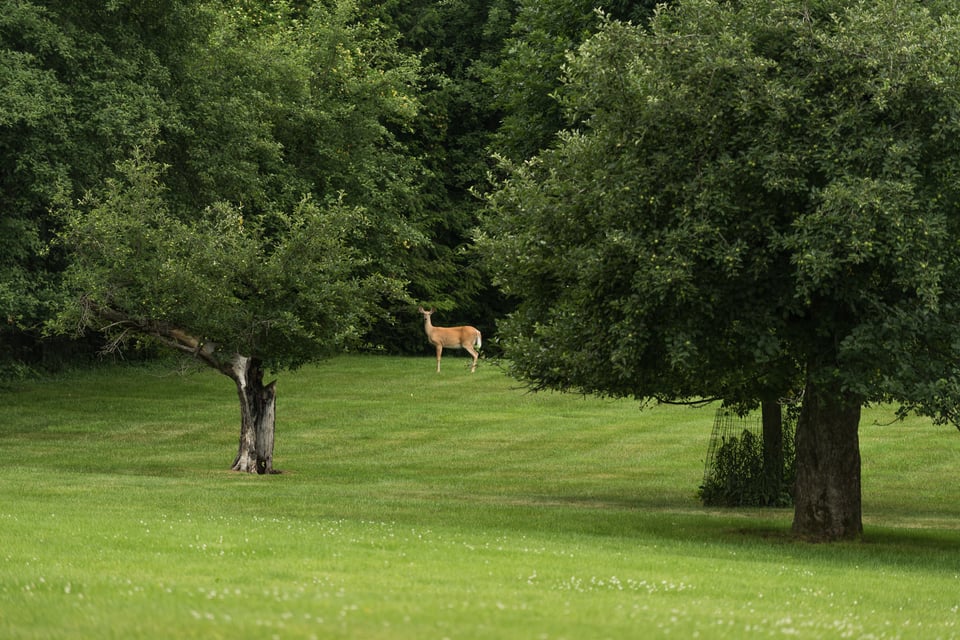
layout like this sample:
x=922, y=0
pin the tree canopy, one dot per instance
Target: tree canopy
x=264, y=189
x=527, y=77
x=285, y=288
x=394, y=104
x=761, y=197
x=259, y=214
x=254, y=104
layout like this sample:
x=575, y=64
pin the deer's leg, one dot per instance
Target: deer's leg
x=439, y=352
x=472, y=352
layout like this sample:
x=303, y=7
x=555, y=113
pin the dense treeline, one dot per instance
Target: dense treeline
x=393, y=107
x=257, y=106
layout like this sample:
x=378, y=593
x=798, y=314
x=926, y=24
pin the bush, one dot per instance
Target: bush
x=736, y=476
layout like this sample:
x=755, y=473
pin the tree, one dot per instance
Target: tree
x=254, y=226
x=255, y=103
x=242, y=295
x=761, y=195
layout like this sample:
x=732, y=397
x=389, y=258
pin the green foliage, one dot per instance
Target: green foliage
x=276, y=209
x=310, y=104
x=285, y=288
x=737, y=477
x=81, y=82
x=528, y=78
x=457, y=42
x=757, y=190
x=275, y=108
x=737, y=474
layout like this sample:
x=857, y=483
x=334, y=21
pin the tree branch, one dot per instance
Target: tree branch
x=172, y=337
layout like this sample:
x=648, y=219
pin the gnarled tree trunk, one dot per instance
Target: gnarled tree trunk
x=257, y=416
x=827, y=490
x=257, y=401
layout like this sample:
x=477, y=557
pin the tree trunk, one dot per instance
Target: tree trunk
x=827, y=491
x=257, y=402
x=772, y=423
x=257, y=416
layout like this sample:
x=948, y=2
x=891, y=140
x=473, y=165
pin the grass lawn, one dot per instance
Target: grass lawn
x=425, y=506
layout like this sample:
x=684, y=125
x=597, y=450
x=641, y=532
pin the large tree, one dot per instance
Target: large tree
x=261, y=223
x=762, y=196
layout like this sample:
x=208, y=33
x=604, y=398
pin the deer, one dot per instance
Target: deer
x=454, y=337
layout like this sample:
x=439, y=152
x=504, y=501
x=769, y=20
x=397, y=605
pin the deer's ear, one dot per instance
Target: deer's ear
x=421, y=309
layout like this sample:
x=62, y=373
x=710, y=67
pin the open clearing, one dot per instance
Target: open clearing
x=418, y=505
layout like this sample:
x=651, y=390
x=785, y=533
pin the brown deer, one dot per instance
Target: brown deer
x=453, y=337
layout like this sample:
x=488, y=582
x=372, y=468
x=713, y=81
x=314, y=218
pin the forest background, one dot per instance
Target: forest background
x=391, y=110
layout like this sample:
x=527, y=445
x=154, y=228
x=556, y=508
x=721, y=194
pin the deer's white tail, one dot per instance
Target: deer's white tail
x=478, y=343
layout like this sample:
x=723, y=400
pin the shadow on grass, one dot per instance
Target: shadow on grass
x=687, y=526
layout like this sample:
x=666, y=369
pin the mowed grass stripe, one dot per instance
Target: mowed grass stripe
x=418, y=505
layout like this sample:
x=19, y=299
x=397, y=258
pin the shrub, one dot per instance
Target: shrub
x=735, y=474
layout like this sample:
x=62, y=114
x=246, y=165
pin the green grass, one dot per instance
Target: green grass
x=417, y=505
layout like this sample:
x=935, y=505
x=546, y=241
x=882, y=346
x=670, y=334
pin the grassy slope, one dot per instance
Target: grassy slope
x=417, y=505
